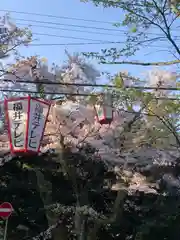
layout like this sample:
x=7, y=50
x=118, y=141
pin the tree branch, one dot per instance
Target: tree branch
x=167, y=32
x=144, y=63
x=121, y=194
x=145, y=18
x=167, y=124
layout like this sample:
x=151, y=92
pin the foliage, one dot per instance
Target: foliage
x=12, y=37
x=88, y=197
x=115, y=177
x=34, y=69
x=141, y=17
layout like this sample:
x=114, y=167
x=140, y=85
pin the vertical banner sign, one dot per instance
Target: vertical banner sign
x=17, y=110
x=104, y=109
x=38, y=114
x=26, y=119
x=108, y=106
x=100, y=112
x=99, y=109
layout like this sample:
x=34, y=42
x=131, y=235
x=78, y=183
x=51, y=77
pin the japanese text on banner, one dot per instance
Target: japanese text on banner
x=36, y=126
x=18, y=121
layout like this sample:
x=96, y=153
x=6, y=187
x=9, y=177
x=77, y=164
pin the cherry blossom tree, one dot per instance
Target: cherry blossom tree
x=136, y=139
x=11, y=37
x=73, y=121
x=143, y=135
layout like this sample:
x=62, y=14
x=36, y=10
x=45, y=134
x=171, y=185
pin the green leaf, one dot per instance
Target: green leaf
x=129, y=107
x=118, y=82
x=133, y=29
x=92, y=99
x=117, y=24
x=26, y=166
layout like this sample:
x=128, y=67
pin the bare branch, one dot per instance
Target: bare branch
x=144, y=63
x=145, y=18
x=173, y=20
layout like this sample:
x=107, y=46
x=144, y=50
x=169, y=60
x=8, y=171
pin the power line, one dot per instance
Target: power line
x=82, y=31
x=71, y=44
x=81, y=26
x=44, y=81
x=74, y=94
x=50, y=93
x=75, y=30
x=57, y=17
x=66, y=29
x=76, y=38
x=83, y=43
x=70, y=25
x=60, y=17
x=95, y=41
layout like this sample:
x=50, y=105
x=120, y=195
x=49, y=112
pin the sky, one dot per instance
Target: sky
x=76, y=9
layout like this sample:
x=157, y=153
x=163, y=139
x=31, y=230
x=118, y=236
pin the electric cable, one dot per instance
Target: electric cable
x=55, y=16
x=74, y=94
x=71, y=37
x=44, y=81
x=79, y=38
x=66, y=29
x=80, y=26
x=65, y=24
x=60, y=17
